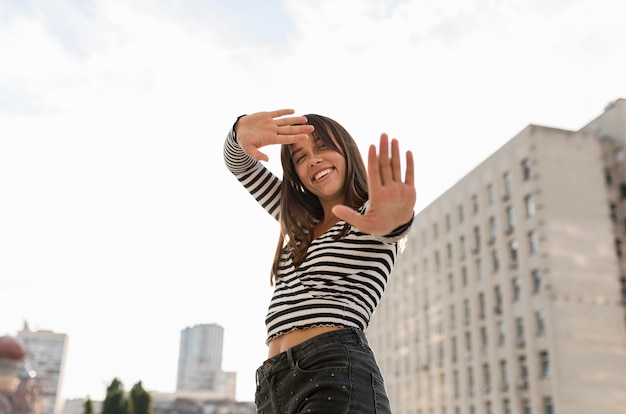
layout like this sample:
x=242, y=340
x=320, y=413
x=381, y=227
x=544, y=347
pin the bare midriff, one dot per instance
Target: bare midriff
x=295, y=337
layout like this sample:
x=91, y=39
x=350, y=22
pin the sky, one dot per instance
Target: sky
x=119, y=223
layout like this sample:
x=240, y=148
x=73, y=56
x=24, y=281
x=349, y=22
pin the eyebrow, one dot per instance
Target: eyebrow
x=296, y=151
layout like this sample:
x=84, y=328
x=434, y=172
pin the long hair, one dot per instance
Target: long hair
x=299, y=209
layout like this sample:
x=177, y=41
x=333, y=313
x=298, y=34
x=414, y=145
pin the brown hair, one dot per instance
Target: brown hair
x=299, y=209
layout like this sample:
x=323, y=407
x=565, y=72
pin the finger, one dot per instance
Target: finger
x=292, y=120
x=257, y=155
x=409, y=174
x=383, y=160
x=348, y=215
x=373, y=171
x=294, y=129
x=281, y=112
x=291, y=134
x=396, y=173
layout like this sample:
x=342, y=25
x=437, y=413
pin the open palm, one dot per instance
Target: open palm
x=391, y=200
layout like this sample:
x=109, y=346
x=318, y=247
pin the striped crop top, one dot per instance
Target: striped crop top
x=339, y=283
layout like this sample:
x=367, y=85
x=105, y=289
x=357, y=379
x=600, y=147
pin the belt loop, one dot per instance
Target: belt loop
x=360, y=334
x=290, y=358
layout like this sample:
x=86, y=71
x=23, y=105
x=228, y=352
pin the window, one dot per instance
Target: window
x=495, y=262
x=526, y=406
x=483, y=337
x=523, y=370
x=448, y=222
x=501, y=335
x=464, y=276
x=476, y=247
x=481, y=305
x=466, y=312
x=441, y=353
x=452, y=317
x=513, y=247
x=517, y=288
x=613, y=212
x=504, y=375
x=490, y=194
x=468, y=345
x=533, y=242
x=510, y=219
x=519, y=331
x=508, y=184
x=526, y=169
x=506, y=406
x=449, y=254
x=462, y=247
x=618, y=248
x=461, y=215
x=453, y=354
x=435, y=231
x=486, y=377
x=451, y=282
x=608, y=178
x=470, y=381
x=437, y=264
x=544, y=364
x=455, y=383
x=492, y=230
x=536, y=277
x=548, y=405
x=475, y=204
x=498, y=298
x=540, y=318
x=529, y=203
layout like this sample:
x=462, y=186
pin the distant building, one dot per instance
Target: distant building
x=509, y=297
x=200, y=363
x=46, y=355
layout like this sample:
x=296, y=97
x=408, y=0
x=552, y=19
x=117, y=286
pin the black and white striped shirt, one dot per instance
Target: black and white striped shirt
x=339, y=283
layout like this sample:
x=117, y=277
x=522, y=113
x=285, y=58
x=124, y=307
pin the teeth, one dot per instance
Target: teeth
x=322, y=173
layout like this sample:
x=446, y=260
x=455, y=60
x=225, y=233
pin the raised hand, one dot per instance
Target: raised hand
x=391, y=200
x=265, y=128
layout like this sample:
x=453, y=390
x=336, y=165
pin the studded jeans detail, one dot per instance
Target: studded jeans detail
x=334, y=372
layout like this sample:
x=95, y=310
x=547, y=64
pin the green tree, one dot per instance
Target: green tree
x=115, y=400
x=88, y=406
x=140, y=400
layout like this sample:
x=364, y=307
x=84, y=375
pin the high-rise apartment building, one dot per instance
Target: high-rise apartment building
x=200, y=361
x=510, y=296
x=46, y=354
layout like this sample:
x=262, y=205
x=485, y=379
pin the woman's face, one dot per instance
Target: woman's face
x=321, y=170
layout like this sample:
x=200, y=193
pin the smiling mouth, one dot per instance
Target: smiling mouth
x=322, y=174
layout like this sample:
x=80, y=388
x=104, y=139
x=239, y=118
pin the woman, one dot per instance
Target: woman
x=340, y=228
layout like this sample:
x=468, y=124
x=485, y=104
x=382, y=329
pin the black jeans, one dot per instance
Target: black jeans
x=334, y=372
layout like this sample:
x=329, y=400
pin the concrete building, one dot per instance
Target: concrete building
x=46, y=355
x=510, y=296
x=200, y=363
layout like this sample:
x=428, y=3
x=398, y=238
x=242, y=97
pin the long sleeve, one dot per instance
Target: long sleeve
x=260, y=182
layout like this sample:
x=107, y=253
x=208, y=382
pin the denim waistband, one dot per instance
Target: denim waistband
x=285, y=360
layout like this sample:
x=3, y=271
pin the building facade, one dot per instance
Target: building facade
x=200, y=362
x=46, y=355
x=510, y=296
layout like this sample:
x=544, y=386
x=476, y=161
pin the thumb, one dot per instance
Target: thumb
x=348, y=215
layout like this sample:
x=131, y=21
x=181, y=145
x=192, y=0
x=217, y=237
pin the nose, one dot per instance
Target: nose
x=315, y=159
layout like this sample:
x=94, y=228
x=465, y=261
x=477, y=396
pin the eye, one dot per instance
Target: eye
x=300, y=159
